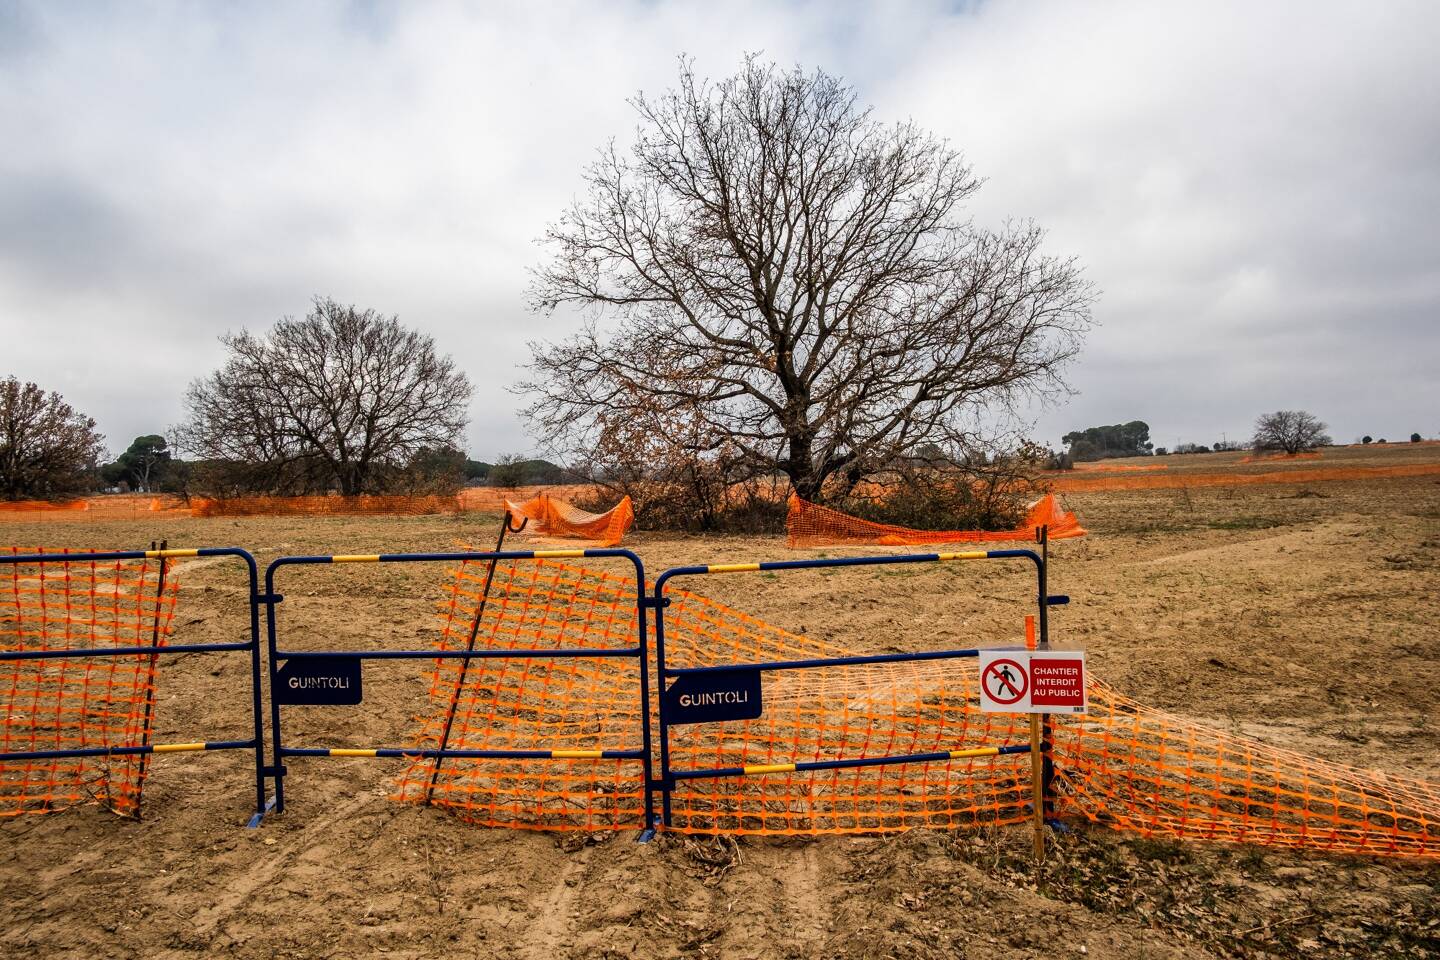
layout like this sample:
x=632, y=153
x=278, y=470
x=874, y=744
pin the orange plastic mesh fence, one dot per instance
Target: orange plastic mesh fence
x=1280, y=457
x=554, y=517
x=837, y=713
x=496, y=499
x=1122, y=764
x=594, y=704
x=811, y=525
x=1236, y=478
x=119, y=506
x=1100, y=466
x=74, y=703
x=321, y=506
x=1140, y=769
x=43, y=506
x=535, y=704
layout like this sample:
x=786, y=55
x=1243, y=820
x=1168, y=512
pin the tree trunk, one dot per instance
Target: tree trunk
x=801, y=468
x=350, y=482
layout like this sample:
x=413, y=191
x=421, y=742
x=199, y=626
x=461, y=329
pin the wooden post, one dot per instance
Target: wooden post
x=1037, y=762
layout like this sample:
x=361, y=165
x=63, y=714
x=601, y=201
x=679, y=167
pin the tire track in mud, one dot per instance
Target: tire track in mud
x=807, y=904
x=553, y=918
x=240, y=890
x=795, y=888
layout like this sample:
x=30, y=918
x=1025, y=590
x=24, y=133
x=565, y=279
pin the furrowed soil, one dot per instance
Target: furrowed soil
x=1305, y=615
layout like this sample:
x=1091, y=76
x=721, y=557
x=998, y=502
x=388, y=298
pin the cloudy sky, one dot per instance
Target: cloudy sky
x=1255, y=188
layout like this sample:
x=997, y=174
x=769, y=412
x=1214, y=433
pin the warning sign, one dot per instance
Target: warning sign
x=1032, y=681
x=1057, y=681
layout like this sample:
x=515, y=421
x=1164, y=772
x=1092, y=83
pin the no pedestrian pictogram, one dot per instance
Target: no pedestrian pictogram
x=1005, y=681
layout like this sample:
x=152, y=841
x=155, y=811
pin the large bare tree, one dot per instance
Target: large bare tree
x=47, y=450
x=1292, y=431
x=342, y=399
x=772, y=263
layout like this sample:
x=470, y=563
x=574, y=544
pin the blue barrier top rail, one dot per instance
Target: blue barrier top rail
x=842, y=562
x=855, y=661
x=820, y=563
x=457, y=557
x=98, y=556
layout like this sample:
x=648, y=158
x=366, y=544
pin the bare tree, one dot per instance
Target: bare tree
x=798, y=277
x=342, y=399
x=47, y=450
x=1289, y=430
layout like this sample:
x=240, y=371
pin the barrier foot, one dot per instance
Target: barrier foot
x=259, y=815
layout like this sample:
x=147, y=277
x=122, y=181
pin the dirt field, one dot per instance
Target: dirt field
x=1301, y=614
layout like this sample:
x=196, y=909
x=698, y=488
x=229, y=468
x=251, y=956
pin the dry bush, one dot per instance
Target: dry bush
x=975, y=492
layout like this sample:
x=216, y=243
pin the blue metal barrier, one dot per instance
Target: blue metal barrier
x=280, y=656
x=254, y=742
x=735, y=675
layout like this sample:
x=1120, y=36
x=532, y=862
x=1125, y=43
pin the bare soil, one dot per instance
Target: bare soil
x=1304, y=616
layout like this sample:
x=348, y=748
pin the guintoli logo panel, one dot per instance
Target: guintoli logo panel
x=320, y=681
x=714, y=697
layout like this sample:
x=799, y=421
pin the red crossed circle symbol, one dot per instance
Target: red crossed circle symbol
x=1005, y=691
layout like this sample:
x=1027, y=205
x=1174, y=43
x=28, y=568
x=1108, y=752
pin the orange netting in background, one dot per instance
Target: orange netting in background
x=811, y=525
x=1122, y=764
x=42, y=506
x=554, y=517
x=1100, y=466
x=74, y=703
x=1279, y=457
x=1177, y=481
x=111, y=506
x=322, y=506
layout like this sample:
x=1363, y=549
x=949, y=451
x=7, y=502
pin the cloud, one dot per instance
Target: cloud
x=1251, y=187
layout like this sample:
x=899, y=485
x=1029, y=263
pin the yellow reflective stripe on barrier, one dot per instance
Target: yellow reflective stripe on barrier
x=357, y=558
x=157, y=554
x=976, y=752
x=969, y=555
x=731, y=567
x=576, y=754
x=346, y=752
x=176, y=747
x=769, y=768
x=556, y=554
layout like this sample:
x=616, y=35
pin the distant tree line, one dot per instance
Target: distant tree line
x=513, y=470
x=1116, y=440
x=343, y=400
x=1286, y=431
